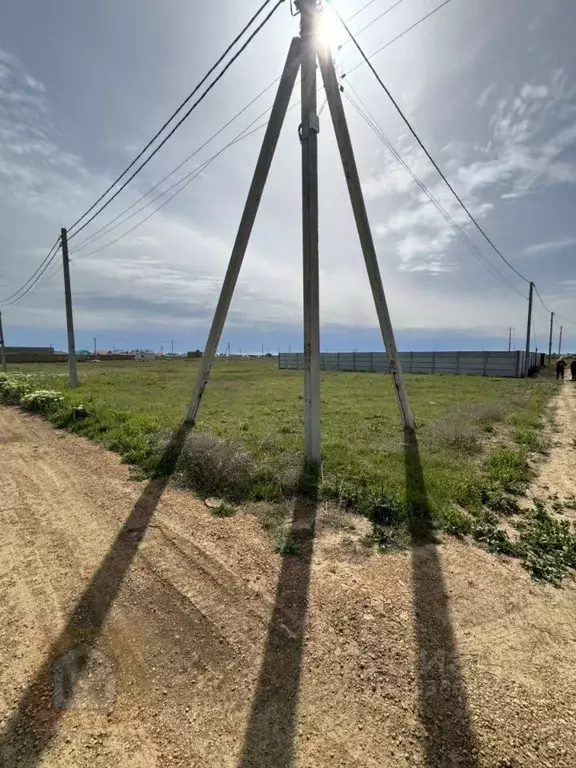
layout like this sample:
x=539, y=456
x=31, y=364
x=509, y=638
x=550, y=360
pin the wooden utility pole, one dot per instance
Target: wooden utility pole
x=303, y=54
x=309, y=140
x=510, y=339
x=2, y=348
x=263, y=163
x=550, y=340
x=73, y=375
x=560, y=340
x=528, y=328
x=364, y=233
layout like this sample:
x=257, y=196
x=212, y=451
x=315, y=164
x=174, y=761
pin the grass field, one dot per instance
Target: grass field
x=474, y=433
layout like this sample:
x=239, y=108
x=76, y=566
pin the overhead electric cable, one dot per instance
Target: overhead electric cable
x=371, y=122
x=426, y=151
x=173, y=115
x=47, y=259
x=182, y=119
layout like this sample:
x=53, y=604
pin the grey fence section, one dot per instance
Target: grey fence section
x=502, y=364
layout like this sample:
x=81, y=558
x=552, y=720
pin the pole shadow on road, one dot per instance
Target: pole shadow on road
x=270, y=736
x=31, y=729
x=444, y=714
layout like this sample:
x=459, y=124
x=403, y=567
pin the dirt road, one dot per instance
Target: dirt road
x=137, y=630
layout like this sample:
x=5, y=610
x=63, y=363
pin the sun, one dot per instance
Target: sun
x=328, y=30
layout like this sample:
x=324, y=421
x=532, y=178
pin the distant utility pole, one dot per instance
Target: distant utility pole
x=73, y=375
x=510, y=339
x=550, y=340
x=2, y=349
x=262, y=350
x=528, y=327
x=94, y=346
x=560, y=340
x=172, y=343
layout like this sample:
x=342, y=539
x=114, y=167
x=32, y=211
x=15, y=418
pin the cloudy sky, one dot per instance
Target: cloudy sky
x=490, y=86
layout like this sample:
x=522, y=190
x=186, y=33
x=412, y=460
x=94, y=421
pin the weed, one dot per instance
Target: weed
x=494, y=539
x=455, y=436
x=548, y=545
x=286, y=544
x=510, y=469
x=223, y=510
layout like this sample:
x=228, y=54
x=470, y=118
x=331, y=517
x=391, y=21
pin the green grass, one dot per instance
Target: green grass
x=475, y=434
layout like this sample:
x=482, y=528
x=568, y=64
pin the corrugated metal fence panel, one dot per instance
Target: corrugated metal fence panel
x=504, y=364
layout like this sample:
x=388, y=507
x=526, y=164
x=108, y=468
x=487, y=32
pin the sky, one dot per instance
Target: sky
x=490, y=87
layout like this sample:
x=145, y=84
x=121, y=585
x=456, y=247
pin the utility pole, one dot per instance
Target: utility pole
x=528, y=327
x=510, y=339
x=560, y=340
x=303, y=54
x=73, y=375
x=346, y=150
x=94, y=346
x=2, y=349
x=550, y=340
x=309, y=130
x=172, y=343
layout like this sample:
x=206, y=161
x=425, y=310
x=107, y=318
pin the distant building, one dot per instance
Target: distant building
x=29, y=350
x=143, y=354
x=196, y=353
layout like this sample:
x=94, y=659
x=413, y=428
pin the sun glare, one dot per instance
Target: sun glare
x=329, y=31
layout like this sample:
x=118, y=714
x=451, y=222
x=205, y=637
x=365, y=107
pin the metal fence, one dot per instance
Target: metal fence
x=503, y=364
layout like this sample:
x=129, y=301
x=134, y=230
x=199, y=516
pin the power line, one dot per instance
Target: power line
x=381, y=16
x=401, y=34
x=26, y=287
x=359, y=11
x=184, y=117
x=566, y=319
x=371, y=122
x=173, y=115
x=188, y=180
x=105, y=229
x=425, y=150
x=95, y=235
x=34, y=283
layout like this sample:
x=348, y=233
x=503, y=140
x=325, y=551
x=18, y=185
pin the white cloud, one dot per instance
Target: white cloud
x=553, y=245
x=530, y=91
x=482, y=100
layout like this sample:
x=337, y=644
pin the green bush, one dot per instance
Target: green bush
x=13, y=386
x=41, y=401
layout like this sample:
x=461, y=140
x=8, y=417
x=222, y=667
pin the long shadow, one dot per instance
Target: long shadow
x=270, y=735
x=34, y=724
x=444, y=712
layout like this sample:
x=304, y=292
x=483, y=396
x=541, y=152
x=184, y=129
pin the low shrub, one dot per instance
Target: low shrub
x=456, y=436
x=41, y=401
x=13, y=386
x=217, y=466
